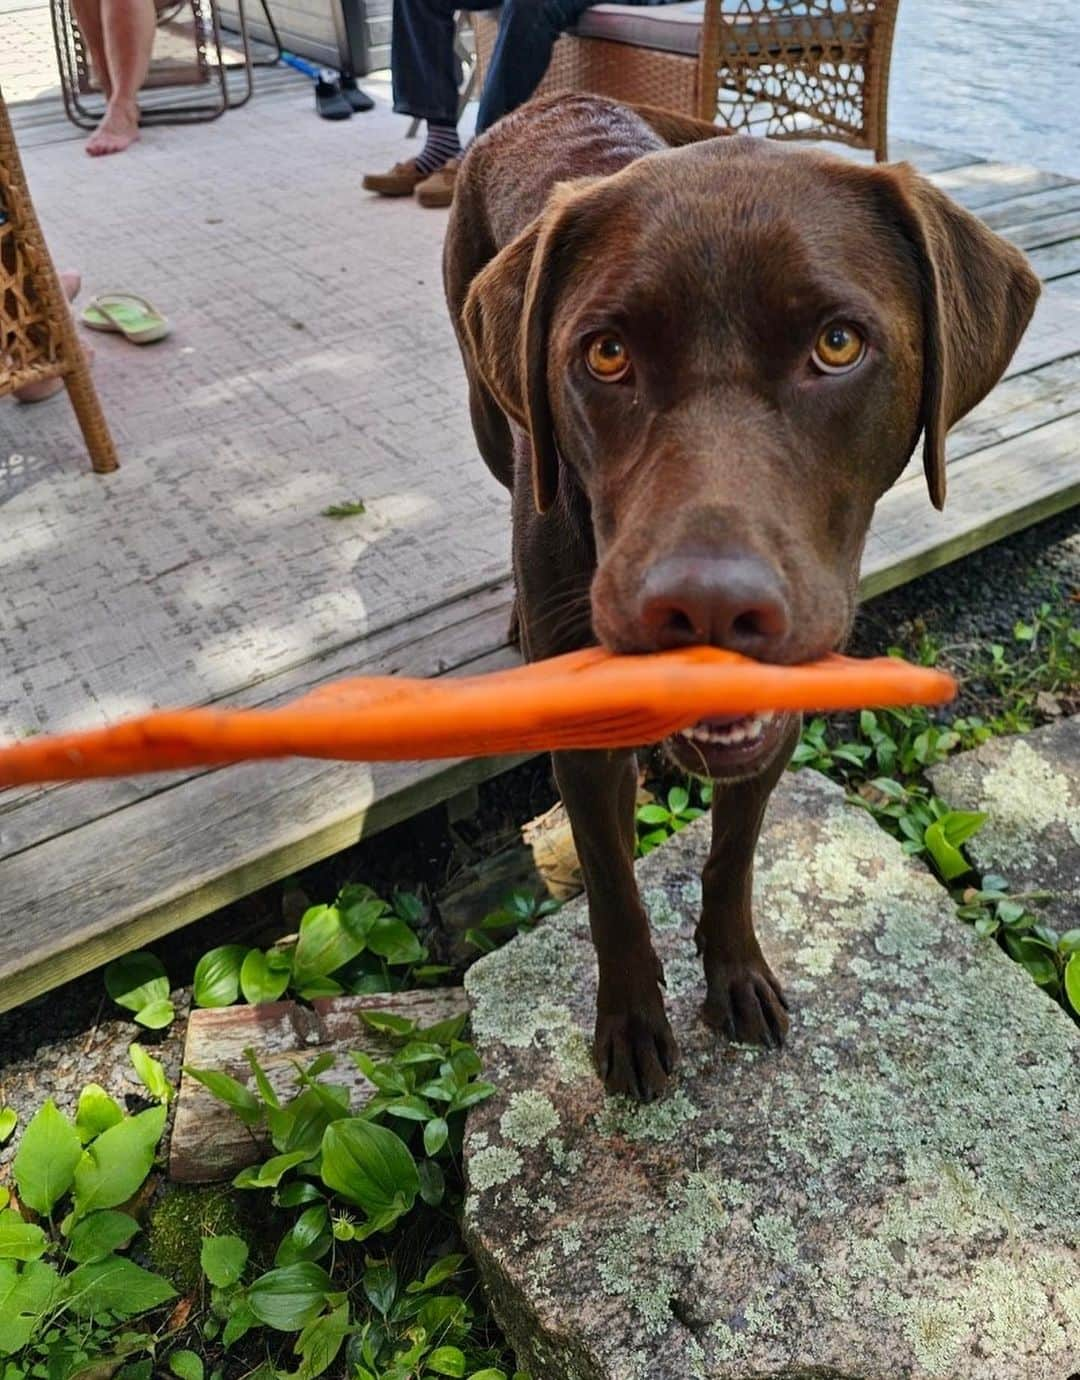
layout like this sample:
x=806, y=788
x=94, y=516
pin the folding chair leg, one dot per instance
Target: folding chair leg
x=246, y=65
x=275, y=38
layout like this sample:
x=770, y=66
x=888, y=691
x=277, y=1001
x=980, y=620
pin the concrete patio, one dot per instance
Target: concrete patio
x=312, y=363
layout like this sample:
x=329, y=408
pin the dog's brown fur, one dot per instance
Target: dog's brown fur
x=724, y=490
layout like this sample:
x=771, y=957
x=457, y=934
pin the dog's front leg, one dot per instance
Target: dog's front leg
x=743, y=998
x=634, y=1047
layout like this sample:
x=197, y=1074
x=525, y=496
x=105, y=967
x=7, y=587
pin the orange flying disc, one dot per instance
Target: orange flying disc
x=586, y=699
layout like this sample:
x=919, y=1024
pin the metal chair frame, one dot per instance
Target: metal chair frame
x=76, y=78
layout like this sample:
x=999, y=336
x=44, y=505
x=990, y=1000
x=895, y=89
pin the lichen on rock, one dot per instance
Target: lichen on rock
x=896, y=1196
x=529, y=1117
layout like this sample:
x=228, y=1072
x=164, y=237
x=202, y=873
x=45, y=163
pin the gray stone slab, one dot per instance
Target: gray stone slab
x=894, y=1197
x=1030, y=788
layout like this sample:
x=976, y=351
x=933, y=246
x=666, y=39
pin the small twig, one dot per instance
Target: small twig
x=94, y=1028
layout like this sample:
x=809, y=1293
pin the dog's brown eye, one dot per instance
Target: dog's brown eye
x=838, y=348
x=607, y=358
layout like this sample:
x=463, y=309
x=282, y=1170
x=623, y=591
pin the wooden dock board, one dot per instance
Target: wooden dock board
x=91, y=870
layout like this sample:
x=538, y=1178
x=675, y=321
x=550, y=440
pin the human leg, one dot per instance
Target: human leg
x=88, y=18
x=128, y=32
x=527, y=33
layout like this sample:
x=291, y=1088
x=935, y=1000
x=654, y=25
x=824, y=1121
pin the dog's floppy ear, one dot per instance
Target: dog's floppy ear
x=978, y=294
x=505, y=323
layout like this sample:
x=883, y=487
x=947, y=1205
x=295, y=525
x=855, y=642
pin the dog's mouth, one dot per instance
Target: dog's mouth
x=730, y=745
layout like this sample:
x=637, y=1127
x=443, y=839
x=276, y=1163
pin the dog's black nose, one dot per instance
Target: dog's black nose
x=734, y=601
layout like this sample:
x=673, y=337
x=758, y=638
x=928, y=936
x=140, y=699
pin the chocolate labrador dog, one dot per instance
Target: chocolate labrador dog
x=697, y=362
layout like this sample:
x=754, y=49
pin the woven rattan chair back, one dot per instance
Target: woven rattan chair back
x=801, y=69
x=38, y=340
x=789, y=69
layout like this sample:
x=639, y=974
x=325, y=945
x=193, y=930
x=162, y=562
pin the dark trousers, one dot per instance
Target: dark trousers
x=422, y=54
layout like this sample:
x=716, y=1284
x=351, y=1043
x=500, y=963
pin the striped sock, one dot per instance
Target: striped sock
x=442, y=145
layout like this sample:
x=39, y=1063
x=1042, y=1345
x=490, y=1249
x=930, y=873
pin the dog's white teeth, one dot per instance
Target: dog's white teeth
x=736, y=734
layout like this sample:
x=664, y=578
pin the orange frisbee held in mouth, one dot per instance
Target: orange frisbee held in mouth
x=586, y=699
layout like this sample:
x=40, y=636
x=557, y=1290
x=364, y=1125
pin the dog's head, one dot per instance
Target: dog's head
x=731, y=349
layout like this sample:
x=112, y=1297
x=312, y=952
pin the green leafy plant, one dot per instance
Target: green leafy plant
x=352, y=507
x=1044, y=656
x=224, y=1262
x=358, y=944
x=68, y=1289
x=1051, y=958
x=151, y=1074
x=923, y=823
x=661, y=819
x=518, y=914
x=138, y=982
x=340, y=1176
x=419, y=1329
x=887, y=741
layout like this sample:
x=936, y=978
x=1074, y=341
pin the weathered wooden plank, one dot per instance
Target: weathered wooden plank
x=441, y=640
x=1018, y=404
x=208, y=1141
x=1053, y=334
x=992, y=493
x=927, y=158
x=1048, y=229
x=79, y=900
x=1022, y=210
x=1056, y=260
x=977, y=185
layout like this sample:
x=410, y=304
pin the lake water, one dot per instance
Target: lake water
x=998, y=78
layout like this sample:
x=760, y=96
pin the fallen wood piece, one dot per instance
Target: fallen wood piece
x=552, y=843
x=544, y=862
x=208, y=1141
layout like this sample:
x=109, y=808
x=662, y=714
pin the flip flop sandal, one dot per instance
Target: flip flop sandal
x=127, y=314
x=329, y=100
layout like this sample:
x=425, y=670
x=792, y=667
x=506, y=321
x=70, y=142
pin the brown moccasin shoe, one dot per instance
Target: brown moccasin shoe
x=401, y=180
x=438, y=189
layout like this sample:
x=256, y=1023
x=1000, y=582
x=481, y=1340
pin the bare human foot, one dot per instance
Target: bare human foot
x=119, y=128
x=71, y=282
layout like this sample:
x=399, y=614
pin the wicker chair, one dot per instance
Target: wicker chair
x=38, y=340
x=790, y=69
x=187, y=54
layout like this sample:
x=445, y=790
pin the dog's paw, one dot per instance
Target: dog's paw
x=747, y=1004
x=635, y=1050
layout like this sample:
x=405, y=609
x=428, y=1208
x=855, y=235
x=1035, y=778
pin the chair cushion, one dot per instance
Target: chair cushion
x=668, y=28
x=676, y=28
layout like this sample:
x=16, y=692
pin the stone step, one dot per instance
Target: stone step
x=896, y=1196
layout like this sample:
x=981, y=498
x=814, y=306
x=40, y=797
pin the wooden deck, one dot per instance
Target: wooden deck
x=313, y=363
